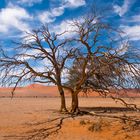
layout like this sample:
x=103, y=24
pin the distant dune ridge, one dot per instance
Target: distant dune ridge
x=38, y=90
x=31, y=90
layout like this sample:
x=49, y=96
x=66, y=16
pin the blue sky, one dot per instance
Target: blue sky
x=17, y=16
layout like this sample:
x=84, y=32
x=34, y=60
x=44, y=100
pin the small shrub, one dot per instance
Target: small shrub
x=82, y=122
x=95, y=127
x=132, y=126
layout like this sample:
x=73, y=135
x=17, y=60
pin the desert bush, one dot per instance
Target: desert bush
x=132, y=126
x=95, y=127
x=84, y=122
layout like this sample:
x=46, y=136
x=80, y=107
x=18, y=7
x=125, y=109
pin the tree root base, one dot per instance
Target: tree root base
x=63, y=111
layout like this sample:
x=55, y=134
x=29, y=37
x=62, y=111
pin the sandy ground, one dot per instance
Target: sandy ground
x=38, y=119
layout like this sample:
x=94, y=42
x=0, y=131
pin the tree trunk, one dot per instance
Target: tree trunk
x=75, y=103
x=63, y=103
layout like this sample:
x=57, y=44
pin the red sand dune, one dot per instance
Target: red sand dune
x=52, y=91
x=31, y=90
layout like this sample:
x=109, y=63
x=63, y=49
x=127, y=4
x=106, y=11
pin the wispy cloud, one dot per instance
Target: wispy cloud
x=131, y=26
x=121, y=10
x=132, y=32
x=123, y=48
x=14, y=17
x=74, y=3
x=50, y=16
x=136, y=18
x=65, y=26
x=25, y=2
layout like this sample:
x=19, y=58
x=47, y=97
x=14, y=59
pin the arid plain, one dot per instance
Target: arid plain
x=36, y=117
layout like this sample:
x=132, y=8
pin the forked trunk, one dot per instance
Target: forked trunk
x=63, y=102
x=75, y=103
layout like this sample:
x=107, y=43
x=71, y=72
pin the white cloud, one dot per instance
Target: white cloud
x=14, y=17
x=65, y=26
x=28, y=2
x=121, y=10
x=132, y=19
x=29, y=54
x=50, y=16
x=46, y=17
x=123, y=48
x=133, y=32
x=74, y=3
x=57, y=11
x=136, y=18
x=69, y=27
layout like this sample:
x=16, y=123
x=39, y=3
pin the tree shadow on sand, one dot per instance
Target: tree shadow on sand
x=44, y=129
x=107, y=109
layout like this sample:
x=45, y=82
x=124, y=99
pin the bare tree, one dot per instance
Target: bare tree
x=98, y=59
x=105, y=60
x=41, y=58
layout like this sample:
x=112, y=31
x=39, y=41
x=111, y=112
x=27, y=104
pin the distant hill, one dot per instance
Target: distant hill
x=31, y=90
x=35, y=86
x=38, y=90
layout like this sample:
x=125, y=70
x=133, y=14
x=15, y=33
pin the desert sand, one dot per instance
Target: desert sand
x=39, y=119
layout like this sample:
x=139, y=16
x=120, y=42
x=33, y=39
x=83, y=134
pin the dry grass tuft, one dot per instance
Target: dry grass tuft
x=95, y=127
